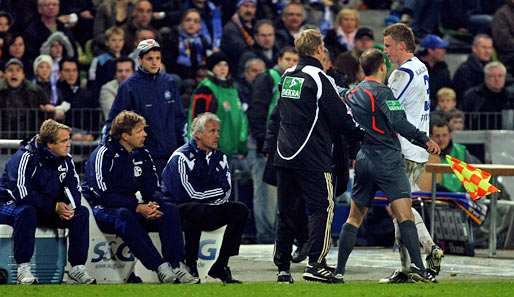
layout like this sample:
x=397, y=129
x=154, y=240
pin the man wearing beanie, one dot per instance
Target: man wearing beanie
x=154, y=95
x=238, y=32
x=218, y=94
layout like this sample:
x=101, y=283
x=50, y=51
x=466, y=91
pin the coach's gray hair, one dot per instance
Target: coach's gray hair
x=253, y=60
x=490, y=65
x=480, y=36
x=39, y=2
x=199, y=122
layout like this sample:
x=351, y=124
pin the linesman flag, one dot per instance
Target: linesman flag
x=474, y=180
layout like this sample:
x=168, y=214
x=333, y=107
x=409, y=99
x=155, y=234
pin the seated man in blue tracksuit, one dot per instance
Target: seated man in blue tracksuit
x=117, y=169
x=39, y=187
x=197, y=179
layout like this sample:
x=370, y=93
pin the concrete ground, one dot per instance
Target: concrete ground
x=254, y=264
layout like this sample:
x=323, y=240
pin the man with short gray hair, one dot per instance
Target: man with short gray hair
x=197, y=180
x=490, y=96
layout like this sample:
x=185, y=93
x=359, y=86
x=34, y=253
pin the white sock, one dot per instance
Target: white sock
x=424, y=236
x=404, y=254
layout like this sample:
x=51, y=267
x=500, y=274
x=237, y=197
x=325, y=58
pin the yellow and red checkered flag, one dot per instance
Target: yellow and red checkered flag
x=474, y=180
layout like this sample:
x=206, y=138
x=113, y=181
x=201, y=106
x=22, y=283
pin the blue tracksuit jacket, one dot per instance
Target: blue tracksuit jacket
x=155, y=97
x=191, y=175
x=113, y=176
x=35, y=176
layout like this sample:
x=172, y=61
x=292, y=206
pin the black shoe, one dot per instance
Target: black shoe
x=223, y=274
x=301, y=253
x=397, y=277
x=319, y=273
x=193, y=270
x=284, y=277
x=415, y=275
x=431, y=275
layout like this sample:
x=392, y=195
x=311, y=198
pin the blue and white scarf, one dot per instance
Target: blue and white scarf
x=185, y=43
x=213, y=39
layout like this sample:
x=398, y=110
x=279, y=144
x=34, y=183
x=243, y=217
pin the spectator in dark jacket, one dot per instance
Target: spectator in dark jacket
x=433, y=57
x=265, y=47
x=80, y=116
x=238, y=33
x=342, y=36
x=45, y=24
x=16, y=94
x=471, y=72
x=289, y=24
x=491, y=96
x=265, y=97
x=141, y=17
x=502, y=28
x=252, y=68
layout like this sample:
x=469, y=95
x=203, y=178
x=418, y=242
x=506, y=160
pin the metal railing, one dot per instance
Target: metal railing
x=489, y=120
x=19, y=124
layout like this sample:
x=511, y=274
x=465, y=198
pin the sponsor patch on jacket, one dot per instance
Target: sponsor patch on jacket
x=394, y=105
x=292, y=87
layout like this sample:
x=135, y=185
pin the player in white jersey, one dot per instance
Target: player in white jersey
x=410, y=85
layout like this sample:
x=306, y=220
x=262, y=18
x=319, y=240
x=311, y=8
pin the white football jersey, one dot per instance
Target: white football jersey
x=409, y=84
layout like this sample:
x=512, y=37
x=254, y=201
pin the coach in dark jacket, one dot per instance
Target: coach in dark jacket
x=311, y=111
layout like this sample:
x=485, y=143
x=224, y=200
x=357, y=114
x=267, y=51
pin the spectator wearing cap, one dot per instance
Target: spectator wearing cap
x=217, y=94
x=17, y=93
x=154, y=95
x=42, y=73
x=238, y=32
x=432, y=55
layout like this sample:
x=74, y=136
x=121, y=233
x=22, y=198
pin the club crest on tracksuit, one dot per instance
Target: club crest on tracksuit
x=167, y=95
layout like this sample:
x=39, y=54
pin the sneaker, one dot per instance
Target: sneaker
x=339, y=278
x=183, y=275
x=319, y=273
x=431, y=275
x=284, y=277
x=434, y=259
x=301, y=253
x=415, y=275
x=166, y=274
x=223, y=274
x=397, y=277
x=79, y=275
x=25, y=277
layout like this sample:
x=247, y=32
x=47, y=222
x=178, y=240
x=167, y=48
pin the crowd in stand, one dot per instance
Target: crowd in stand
x=221, y=54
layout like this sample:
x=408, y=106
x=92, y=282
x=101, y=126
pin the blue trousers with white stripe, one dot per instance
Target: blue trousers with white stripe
x=133, y=228
x=25, y=218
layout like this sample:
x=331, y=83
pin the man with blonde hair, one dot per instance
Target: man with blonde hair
x=410, y=84
x=39, y=187
x=311, y=111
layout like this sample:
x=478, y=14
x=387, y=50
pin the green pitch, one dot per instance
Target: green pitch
x=360, y=289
